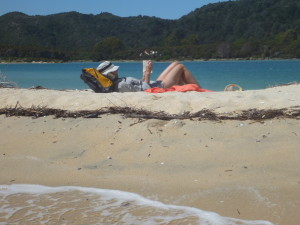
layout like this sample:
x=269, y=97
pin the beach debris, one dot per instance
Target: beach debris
x=238, y=212
x=139, y=121
x=38, y=87
x=142, y=115
x=92, y=115
x=109, y=157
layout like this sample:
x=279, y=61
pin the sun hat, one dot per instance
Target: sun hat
x=107, y=67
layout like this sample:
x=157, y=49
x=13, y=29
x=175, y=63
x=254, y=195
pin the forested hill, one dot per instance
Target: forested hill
x=233, y=29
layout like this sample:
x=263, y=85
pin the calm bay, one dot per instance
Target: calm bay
x=213, y=75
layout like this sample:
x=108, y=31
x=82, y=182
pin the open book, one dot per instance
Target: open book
x=145, y=62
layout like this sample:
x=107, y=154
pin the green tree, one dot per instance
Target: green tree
x=108, y=48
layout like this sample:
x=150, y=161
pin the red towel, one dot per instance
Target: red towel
x=180, y=88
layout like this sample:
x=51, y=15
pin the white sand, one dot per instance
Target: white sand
x=241, y=169
x=173, y=103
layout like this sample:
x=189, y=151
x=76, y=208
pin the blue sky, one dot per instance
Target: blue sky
x=167, y=9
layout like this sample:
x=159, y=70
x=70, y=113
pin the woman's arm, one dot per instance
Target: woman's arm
x=147, y=73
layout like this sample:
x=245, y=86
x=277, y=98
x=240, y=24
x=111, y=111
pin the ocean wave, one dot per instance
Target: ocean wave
x=36, y=204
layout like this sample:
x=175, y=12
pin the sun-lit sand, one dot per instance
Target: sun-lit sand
x=242, y=169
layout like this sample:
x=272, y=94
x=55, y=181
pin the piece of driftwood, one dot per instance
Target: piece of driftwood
x=5, y=83
x=205, y=114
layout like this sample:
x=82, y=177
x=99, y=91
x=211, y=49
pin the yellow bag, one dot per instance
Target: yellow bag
x=97, y=81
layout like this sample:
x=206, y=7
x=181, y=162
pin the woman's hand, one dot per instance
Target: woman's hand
x=149, y=66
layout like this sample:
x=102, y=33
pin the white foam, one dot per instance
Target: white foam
x=118, y=205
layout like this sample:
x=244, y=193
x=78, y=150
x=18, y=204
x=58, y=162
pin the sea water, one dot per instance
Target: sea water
x=213, y=75
x=35, y=204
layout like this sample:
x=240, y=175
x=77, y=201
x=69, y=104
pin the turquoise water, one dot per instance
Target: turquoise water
x=213, y=75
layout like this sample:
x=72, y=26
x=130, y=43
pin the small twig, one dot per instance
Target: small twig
x=111, y=102
x=119, y=99
x=17, y=105
x=139, y=121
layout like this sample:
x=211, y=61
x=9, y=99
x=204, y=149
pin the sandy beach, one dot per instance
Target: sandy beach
x=246, y=169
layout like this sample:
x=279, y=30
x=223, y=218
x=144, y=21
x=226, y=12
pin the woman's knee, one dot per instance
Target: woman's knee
x=180, y=66
x=175, y=63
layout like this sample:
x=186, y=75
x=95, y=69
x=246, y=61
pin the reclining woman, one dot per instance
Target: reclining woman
x=174, y=74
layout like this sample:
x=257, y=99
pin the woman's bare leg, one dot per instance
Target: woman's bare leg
x=167, y=70
x=177, y=75
x=188, y=77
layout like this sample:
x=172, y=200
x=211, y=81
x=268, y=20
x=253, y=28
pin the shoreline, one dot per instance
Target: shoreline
x=191, y=60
